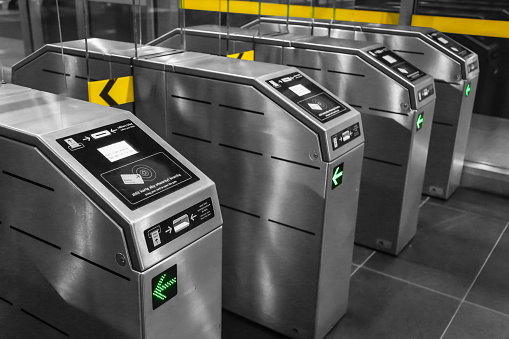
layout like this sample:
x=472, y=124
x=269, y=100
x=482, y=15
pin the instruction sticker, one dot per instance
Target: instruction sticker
x=309, y=96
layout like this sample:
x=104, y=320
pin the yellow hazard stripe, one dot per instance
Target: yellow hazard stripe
x=492, y=28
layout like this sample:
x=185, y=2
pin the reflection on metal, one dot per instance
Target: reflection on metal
x=390, y=99
x=452, y=66
x=289, y=236
x=62, y=233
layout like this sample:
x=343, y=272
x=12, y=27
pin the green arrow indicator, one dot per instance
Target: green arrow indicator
x=336, y=176
x=161, y=287
x=467, y=90
x=420, y=120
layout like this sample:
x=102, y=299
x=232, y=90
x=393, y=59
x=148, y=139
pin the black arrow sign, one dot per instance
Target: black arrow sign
x=104, y=93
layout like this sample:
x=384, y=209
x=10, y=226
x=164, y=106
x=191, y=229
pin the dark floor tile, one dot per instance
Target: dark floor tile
x=492, y=287
x=447, y=252
x=235, y=327
x=382, y=307
x=487, y=204
x=354, y=267
x=360, y=254
x=476, y=322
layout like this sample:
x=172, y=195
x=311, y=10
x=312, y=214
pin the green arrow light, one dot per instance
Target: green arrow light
x=420, y=120
x=467, y=90
x=160, y=288
x=337, y=176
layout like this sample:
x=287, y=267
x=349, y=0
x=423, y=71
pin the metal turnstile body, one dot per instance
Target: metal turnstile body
x=392, y=96
x=93, y=240
x=456, y=73
x=288, y=190
x=251, y=127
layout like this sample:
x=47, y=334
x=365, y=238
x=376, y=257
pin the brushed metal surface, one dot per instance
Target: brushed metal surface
x=344, y=68
x=445, y=164
x=273, y=193
x=272, y=162
x=59, y=238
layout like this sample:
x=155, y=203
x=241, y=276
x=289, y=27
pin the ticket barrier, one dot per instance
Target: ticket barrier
x=396, y=101
x=269, y=137
x=456, y=73
x=105, y=230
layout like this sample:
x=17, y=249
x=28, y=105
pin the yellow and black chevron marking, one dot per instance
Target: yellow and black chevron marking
x=111, y=92
x=247, y=55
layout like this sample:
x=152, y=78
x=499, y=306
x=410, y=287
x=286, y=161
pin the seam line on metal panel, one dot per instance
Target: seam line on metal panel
x=295, y=162
x=356, y=106
x=7, y=301
x=28, y=181
x=305, y=67
x=240, y=149
x=55, y=72
x=292, y=227
x=409, y=52
x=44, y=322
x=362, y=264
x=85, y=78
x=383, y=161
x=446, y=82
x=100, y=266
x=475, y=280
x=385, y=111
x=36, y=238
x=190, y=137
x=443, y=123
x=346, y=73
x=240, y=211
x=190, y=99
x=241, y=109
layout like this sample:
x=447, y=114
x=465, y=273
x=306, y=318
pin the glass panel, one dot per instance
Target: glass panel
x=475, y=9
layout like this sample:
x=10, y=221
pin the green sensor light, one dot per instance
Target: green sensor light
x=467, y=90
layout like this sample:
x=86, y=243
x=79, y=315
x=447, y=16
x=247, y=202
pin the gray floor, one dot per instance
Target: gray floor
x=450, y=282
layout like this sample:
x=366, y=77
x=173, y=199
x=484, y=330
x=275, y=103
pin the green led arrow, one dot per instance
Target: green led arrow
x=467, y=90
x=336, y=176
x=160, y=288
x=420, y=120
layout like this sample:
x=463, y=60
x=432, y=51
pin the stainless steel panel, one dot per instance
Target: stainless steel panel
x=195, y=312
x=61, y=244
x=453, y=107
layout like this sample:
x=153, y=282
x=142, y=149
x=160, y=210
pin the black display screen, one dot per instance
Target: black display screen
x=309, y=96
x=134, y=167
x=399, y=65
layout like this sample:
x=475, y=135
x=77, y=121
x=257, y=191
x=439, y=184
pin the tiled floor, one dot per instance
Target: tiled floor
x=451, y=282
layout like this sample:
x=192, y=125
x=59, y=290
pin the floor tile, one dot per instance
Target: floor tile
x=382, y=307
x=487, y=204
x=360, y=254
x=492, y=287
x=447, y=252
x=235, y=327
x=474, y=322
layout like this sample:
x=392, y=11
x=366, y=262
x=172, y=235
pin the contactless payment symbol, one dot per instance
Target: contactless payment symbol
x=164, y=287
x=337, y=176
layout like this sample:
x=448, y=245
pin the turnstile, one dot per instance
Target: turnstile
x=396, y=101
x=105, y=230
x=456, y=73
x=286, y=156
